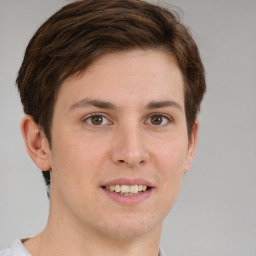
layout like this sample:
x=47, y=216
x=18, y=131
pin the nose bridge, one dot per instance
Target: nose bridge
x=130, y=146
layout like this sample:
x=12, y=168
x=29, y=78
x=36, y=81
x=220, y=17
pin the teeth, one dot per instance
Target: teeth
x=126, y=189
x=134, y=189
x=117, y=188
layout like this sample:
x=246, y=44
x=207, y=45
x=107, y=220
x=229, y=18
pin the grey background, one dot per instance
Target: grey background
x=216, y=210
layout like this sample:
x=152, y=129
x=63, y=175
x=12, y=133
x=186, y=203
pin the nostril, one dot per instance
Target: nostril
x=123, y=161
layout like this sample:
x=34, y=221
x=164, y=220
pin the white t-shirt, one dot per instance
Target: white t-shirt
x=17, y=249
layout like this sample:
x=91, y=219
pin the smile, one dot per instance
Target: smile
x=127, y=190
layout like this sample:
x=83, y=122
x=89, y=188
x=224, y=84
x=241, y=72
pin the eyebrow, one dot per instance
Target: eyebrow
x=91, y=102
x=108, y=105
x=164, y=104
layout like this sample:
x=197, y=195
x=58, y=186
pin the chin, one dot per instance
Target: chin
x=130, y=227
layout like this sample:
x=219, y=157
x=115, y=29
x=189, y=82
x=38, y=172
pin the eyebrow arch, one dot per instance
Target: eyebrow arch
x=163, y=104
x=108, y=105
x=90, y=102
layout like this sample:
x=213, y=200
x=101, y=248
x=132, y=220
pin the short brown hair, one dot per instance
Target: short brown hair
x=70, y=40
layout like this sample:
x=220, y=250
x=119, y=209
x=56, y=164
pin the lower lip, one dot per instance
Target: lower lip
x=129, y=200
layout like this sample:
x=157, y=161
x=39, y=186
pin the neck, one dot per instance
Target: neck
x=64, y=235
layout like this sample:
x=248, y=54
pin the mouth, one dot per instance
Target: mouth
x=127, y=190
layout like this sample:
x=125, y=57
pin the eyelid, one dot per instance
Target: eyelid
x=168, y=117
x=103, y=115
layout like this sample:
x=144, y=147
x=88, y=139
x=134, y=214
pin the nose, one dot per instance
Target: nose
x=129, y=147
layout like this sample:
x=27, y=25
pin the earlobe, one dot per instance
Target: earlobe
x=191, y=146
x=36, y=143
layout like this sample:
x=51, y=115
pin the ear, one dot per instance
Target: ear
x=191, y=146
x=36, y=143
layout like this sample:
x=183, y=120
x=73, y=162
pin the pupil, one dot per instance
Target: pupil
x=97, y=120
x=156, y=120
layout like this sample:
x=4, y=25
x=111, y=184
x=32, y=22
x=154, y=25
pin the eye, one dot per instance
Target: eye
x=158, y=119
x=97, y=120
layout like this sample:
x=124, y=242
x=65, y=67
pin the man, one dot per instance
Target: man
x=111, y=91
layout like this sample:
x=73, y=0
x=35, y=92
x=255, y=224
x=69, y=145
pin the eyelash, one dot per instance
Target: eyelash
x=168, y=118
x=95, y=115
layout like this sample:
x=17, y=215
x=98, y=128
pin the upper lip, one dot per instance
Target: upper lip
x=127, y=181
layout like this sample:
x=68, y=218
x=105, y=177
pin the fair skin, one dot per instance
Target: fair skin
x=121, y=122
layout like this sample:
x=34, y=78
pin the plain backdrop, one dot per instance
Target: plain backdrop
x=215, y=213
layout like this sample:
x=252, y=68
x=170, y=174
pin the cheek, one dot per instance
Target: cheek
x=74, y=175
x=77, y=151
x=74, y=164
x=172, y=156
x=171, y=164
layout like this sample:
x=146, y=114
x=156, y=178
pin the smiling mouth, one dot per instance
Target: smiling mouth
x=127, y=190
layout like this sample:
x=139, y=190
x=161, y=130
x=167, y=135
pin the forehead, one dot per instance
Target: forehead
x=136, y=75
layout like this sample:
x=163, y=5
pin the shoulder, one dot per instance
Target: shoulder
x=5, y=252
x=16, y=249
x=161, y=253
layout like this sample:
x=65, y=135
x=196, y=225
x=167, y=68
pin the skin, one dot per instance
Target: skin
x=134, y=140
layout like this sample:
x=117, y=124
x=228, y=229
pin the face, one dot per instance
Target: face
x=119, y=144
